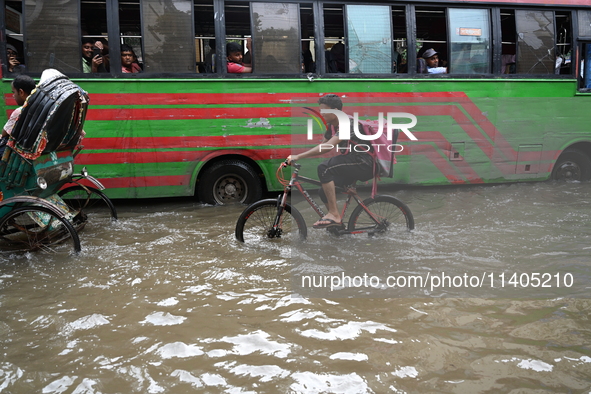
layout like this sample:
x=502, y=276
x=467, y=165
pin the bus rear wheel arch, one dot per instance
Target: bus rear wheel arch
x=572, y=165
x=229, y=181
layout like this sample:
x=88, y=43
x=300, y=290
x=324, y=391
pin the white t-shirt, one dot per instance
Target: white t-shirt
x=437, y=70
x=12, y=120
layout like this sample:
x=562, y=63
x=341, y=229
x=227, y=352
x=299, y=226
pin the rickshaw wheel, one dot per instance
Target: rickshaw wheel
x=86, y=198
x=36, y=228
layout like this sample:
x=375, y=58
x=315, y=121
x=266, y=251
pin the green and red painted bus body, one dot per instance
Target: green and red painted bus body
x=157, y=138
x=513, y=107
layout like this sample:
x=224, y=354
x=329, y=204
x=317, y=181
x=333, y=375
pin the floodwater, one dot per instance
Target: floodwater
x=167, y=301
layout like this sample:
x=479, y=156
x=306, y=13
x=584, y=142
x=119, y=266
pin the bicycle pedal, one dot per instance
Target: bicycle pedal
x=337, y=231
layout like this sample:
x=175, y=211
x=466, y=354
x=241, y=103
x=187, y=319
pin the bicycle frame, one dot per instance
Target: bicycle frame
x=350, y=191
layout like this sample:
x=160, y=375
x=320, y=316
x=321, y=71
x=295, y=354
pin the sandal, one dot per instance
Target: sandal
x=326, y=223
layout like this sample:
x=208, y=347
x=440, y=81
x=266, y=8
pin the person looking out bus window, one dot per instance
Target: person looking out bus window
x=234, y=57
x=340, y=170
x=14, y=65
x=432, y=60
x=22, y=86
x=92, y=58
x=128, y=60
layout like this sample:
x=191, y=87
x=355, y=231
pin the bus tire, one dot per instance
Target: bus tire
x=228, y=182
x=572, y=165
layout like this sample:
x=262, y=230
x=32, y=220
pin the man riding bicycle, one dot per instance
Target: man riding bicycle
x=341, y=170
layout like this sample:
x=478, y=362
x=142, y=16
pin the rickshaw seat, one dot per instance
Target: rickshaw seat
x=47, y=131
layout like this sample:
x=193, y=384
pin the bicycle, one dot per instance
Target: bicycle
x=278, y=219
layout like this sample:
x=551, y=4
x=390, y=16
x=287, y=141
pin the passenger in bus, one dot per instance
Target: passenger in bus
x=340, y=170
x=234, y=58
x=103, y=45
x=92, y=59
x=338, y=53
x=22, y=86
x=431, y=61
x=507, y=64
x=14, y=65
x=308, y=65
x=128, y=60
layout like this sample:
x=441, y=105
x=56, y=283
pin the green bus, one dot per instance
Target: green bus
x=508, y=103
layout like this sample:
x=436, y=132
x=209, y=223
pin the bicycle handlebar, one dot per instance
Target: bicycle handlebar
x=293, y=163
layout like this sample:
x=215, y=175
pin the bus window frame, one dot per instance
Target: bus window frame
x=114, y=38
x=347, y=36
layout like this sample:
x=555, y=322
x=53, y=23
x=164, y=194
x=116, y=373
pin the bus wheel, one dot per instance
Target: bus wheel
x=572, y=165
x=229, y=181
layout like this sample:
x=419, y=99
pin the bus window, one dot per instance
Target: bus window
x=585, y=68
x=169, y=45
x=93, y=22
x=308, y=43
x=334, y=37
x=130, y=28
x=14, y=37
x=204, y=36
x=276, y=38
x=431, y=33
x=53, y=36
x=563, y=42
x=237, y=15
x=535, y=42
x=584, y=18
x=400, y=52
x=509, y=42
x=469, y=41
x=369, y=32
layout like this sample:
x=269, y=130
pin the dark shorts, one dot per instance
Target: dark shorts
x=344, y=170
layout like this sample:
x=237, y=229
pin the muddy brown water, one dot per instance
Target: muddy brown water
x=167, y=301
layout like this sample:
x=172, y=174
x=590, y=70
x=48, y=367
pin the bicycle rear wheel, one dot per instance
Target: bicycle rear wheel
x=392, y=214
x=35, y=228
x=255, y=224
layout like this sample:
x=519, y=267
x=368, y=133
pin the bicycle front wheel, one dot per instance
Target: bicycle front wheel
x=255, y=224
x=391, y=215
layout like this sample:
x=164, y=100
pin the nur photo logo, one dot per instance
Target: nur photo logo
x=377, y=132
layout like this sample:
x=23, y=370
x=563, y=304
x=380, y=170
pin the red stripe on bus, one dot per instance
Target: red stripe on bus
x=242, y=98
x=170, y=156
x=220, y=113
x=212, y=142
x=185, y=113
x=239, y=98
x=146, y=181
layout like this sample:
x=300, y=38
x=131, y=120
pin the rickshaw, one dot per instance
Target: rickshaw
x=41, y=200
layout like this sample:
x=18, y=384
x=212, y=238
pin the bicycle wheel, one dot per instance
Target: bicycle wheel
x=87, y=198
x=255, y=224
x=35, y=228
x=393, y=215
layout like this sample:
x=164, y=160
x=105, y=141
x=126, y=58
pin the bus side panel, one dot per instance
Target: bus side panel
x=150, y=138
